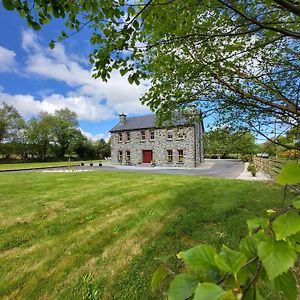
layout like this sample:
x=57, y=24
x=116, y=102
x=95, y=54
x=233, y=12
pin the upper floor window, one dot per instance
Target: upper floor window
x=180, y=156
x=151, y=134
x=120, y=137
x=120, y=155
x=143, y=135
x=128, y=136
x=180, y=134
x=170, y=134
x=170, y=155
x=127, y=155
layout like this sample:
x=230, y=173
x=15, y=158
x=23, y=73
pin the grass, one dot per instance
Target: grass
x=97, y=234
x=14, y=166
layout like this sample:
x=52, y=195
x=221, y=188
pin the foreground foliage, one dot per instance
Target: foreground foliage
x=238, y=59
x=262, y=267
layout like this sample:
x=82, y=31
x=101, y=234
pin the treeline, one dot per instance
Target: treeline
x=227, y=143
x=46, y=137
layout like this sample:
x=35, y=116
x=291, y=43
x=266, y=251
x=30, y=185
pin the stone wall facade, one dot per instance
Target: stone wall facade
x=185, y=140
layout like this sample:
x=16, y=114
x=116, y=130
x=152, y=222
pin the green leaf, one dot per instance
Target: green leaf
x=276, y=256
x=199, y=258
x=255, y=223
x=36, y=26
x=228, y=295
x=52, y=44
x=208, y=291
x=8, y=4
x=296, y=203
x=136, y=24
x=289, y=174
x=248, y=245
x=160, y=274
x=182, y=287
x=230, y=261
x=285, y=285
x=258, y=295
x=286, y=225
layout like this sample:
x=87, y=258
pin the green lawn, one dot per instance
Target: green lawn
x=13, y=166
x=57, y=228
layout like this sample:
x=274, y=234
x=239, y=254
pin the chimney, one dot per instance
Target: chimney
x=122, y=118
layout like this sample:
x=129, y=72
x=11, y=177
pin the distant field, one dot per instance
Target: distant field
x=66, y=236
x=40, y=164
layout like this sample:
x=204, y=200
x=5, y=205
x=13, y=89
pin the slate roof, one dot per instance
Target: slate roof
x=144, y=122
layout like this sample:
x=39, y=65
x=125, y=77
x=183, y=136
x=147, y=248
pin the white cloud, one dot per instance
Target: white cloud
x=87, y=108
x=116, y=94
x=95, y=137
x=7, y=60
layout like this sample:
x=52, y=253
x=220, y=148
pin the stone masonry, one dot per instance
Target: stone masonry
x=184, y=141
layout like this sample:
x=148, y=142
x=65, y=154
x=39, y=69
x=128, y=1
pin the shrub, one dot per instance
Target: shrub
x=246, y=158
x=252, y=168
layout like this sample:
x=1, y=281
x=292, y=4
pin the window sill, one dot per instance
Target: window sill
x=142, y=141
x=151, y=140
x=169, y=139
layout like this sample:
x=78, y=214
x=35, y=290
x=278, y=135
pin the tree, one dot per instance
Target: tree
x=64, y=130
x=11, y=124
x=237, y=59
x=40, y=134
x=103, y=148
x=225, y=141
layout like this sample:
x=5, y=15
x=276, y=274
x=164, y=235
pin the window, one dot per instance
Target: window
x=128, y=136
x=120, y=156
x=120, y=136
x=180, y=134
x=170, y=134
x=170, y=155
x=151, y=134
x=180, y=156
x=143, y=135
x=127, y=155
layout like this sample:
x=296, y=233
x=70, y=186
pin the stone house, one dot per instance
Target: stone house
x=137, y=140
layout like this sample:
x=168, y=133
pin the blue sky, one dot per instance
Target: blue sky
x=35, y=78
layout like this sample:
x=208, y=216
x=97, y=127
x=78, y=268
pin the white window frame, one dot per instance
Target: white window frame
x=120, y=155
x=180, y=156
x=170, y=155
x=128, y=136
x=120, y=137
x=152, y=134
x=127, y=155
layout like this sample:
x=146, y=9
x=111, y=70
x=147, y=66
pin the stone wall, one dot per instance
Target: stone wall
x=190, y=144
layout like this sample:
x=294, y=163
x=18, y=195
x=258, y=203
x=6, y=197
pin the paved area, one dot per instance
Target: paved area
x=212, y=168
x=222, y=168
x=245, y=175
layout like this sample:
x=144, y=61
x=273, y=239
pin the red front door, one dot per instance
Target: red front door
x=147, y=156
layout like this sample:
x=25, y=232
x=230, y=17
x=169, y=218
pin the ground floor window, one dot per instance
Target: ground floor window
x=170, y=155
x=180, y=156
x=120, y=156
x=127, y=155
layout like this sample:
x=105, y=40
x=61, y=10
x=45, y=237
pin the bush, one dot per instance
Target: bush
x=252, y=168
x=246, y=158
